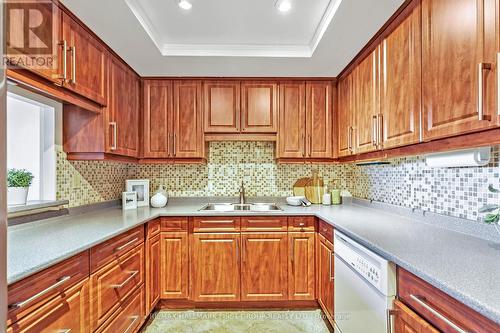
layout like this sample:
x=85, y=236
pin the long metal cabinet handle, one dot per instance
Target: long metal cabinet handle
x=114, y=145
x=330, y=267
x=436, y=313
x=349, y=138
x=374, y=130
x=59, y=282
x=64, y=330
x=131, y=324
x=390, y=313
x=73, y=64
x=380, y=133
x=174, y=151
x=310, y=145
x=119, y=248
x=304, y=145
x=238, y=250
x=121, y=285
x=64, y=75
x=480, y=89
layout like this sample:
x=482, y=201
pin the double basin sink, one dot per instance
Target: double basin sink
x=236, y=207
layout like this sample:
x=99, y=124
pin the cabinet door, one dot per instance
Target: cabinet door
x=292, y=130
x=153, y=259
x=222, y=106
x=319, y=122
x=400, y=96
x=407, y=321
x=157, y=133
x=215, y=266
x=69, y=311
x=259, y=107
x=87, y=60
x=301, y=269
x=345, y=116
x=188, y=125
x=264, y=268
x=366, y=103
x=324, y=273
x=124, y=110
x=455, y=42
x=174, y=265
x=46, y=46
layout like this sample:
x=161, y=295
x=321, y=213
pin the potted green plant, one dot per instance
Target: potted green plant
x=18, y=183
x=493, y=211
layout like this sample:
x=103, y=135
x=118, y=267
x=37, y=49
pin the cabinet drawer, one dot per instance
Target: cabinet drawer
x=129, y=316
x=214, y=224
x=29, y=294
x=153, y=228
x=112, y=284
x=174, y=223
x=115, y=247
x=66, y=312
x=301, y=223
x=264, y=223
x=326, y=230
x=422, y=297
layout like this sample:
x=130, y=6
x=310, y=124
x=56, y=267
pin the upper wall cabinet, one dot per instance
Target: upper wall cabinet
x=345, y=114
x=400, y=81
x=259, y=107
x=85, y=60
x=222, y=106
x=306, y=120
x=458, y=49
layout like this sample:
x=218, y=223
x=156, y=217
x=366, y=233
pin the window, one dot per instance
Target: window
x=31, y=140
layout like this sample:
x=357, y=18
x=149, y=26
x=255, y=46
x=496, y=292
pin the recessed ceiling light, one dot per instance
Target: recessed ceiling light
x=184, y=4
x=283, y=5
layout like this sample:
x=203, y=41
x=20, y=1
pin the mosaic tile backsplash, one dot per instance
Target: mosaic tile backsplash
x=407, y=182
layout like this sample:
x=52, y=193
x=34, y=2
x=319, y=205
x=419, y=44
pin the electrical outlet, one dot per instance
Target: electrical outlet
x=76, y=181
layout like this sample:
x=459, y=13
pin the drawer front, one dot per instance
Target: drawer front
x=64, y=313
x=301, y=223
x=129, y=316
x=215, y=224
x=115, y=247
x=153, y=228
x=29, y=294
x=326, y=230
x=174, y=224
x=264, y=223
x=112, y=284
x=422, y=297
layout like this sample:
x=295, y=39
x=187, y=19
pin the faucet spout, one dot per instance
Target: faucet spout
x=242, y=194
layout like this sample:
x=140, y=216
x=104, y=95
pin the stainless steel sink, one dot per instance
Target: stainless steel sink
x=249, y=207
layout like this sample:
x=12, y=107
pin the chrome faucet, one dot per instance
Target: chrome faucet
x=242, y=194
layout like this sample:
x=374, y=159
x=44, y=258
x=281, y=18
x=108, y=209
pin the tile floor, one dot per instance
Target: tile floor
x=237, y=322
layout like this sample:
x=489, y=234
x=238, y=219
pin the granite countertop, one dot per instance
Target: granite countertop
x=465, y=267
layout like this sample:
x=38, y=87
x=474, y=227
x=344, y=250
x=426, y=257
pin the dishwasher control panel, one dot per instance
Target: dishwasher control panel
x=378, y=271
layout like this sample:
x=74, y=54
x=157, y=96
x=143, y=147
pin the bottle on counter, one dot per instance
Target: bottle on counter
x=335, y=193
x=327, y=197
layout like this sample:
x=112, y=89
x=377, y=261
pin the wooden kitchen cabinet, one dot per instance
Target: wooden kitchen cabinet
x=153, y=262
x=345, y=107
x=222, y=106
x=458, y=53
x=86, y=62
x=215, y=267
x=188, y=139
x=130, y=316
x=301, y=266
x=157, y=132
x=259, y=107
x=319, y=119
x=407, y=321
x=69, y=311
x=174, y=266
x=264, y=266
x=401, y=78
x=292, y=121
x=325, y=275
x=366, y=104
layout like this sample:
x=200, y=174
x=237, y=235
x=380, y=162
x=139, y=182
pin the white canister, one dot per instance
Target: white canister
x=160, y=198
x=327, y=199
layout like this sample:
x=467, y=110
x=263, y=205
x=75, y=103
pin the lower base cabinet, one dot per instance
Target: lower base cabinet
x=407, y=321
x=153, y=257
x=301, y=266
x=68, y=312
x=325, y=277
x=215, y=267
x=174, y=266
x=129, y=316
x=264, y=266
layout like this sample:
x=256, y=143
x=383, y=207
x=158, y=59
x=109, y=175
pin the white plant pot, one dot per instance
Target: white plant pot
x=17, y=195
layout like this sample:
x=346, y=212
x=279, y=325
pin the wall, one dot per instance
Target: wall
x=457, y=192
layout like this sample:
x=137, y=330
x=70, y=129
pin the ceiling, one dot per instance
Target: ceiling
x=235, y=37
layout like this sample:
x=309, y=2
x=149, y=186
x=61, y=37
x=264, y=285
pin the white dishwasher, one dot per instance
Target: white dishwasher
x=365, y=286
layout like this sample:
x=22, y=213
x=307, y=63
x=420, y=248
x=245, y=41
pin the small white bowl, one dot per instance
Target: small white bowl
x=294, y=201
